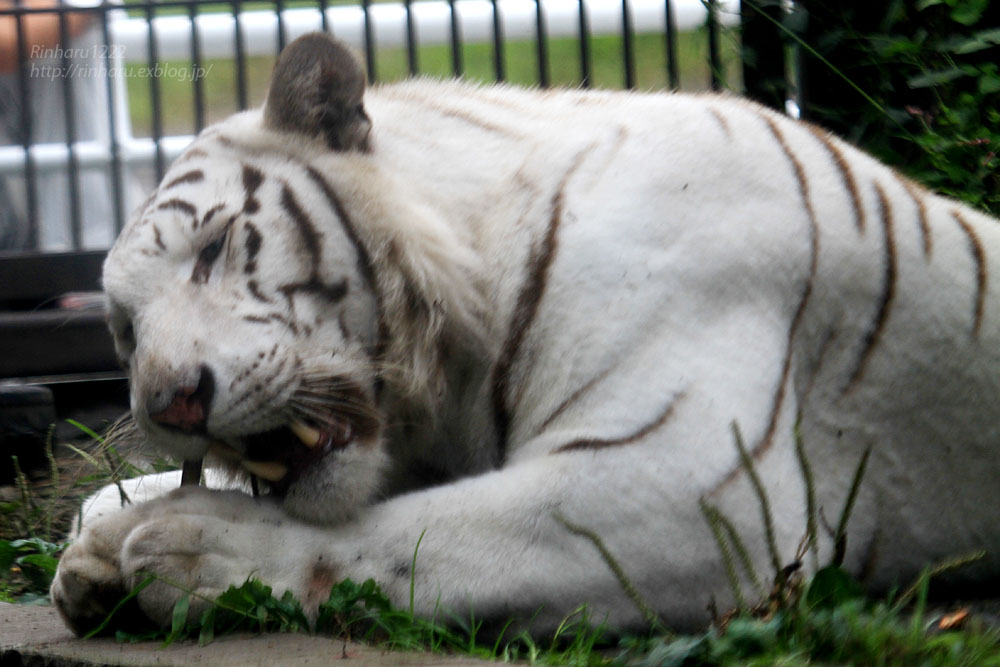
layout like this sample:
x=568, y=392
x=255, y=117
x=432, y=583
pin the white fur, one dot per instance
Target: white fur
x=681, y=257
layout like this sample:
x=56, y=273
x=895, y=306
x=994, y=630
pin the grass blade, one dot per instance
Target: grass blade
x=840, y=536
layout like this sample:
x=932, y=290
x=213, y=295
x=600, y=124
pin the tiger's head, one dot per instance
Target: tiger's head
x=279, y=285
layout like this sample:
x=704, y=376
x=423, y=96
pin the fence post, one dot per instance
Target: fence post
x=763, y=52
x=840, y=32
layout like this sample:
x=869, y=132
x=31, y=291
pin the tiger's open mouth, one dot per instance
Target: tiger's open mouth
x=281, y=455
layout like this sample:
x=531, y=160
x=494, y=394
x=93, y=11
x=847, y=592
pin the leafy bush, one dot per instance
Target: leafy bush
x=916, y=83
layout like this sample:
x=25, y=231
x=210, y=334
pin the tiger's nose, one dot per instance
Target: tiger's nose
x=188, y=409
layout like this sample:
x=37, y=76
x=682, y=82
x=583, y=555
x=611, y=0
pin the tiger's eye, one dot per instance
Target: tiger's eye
x=211, y=252
x=207, y=257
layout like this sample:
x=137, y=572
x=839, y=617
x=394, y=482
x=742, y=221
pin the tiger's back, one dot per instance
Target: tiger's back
x=493, y=313
x=865, y=299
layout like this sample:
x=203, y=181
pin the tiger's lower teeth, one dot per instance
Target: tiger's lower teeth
x=272, y=471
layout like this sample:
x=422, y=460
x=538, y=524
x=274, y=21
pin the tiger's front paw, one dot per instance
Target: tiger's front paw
x=87, y=587
x=89, y=582
x=193, y=541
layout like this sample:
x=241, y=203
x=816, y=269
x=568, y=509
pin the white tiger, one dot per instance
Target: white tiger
x=485, y=314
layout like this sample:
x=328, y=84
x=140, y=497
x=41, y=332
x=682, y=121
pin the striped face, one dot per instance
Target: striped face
x=242, y=303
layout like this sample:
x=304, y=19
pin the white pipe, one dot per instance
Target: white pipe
x=90, y=154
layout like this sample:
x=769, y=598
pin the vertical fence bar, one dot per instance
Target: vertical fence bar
x=457, y=66
x=324, y=22
x=156, y=104
x=541, y=45
x=369, y=41
x=499, y=70
x=628, y=45
x=411, y=39
x=240, y=57
x=670, y=45
x=197, y=85
x=586, y=66
x=279, y=13
x=115, y=170
x=30, y=171
x=763, y=52
x=714, y=61
x=73, y=166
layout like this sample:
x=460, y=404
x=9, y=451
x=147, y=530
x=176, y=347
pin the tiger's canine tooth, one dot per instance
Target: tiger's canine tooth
x=307, y=434
x=272, y=471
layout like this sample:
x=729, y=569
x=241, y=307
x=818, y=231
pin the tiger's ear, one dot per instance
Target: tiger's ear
x=316, y=90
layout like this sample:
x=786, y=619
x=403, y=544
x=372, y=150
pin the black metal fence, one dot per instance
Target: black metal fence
x=121, y=56
x=92, y=113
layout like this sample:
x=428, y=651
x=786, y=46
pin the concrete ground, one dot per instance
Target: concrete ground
x=36, y=637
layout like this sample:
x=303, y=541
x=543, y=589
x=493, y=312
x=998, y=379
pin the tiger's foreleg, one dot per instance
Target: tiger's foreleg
x=496, y=546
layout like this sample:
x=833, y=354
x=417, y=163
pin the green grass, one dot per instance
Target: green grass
x=827, y=622
x=824, y=621
x=37, y=512
x=520, y=61
x=855, y=633
x=361, y=612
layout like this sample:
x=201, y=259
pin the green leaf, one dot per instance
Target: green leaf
x=963, y=46
x=750, y=636
x=179, y=620
x=243, y=599
x=989, y=84
x=207, y=633
x=43, y=562
x=134, y=638
x=342, y=597
x=86, y=429
x=931, y=79
x=991, y=35
x=895, y=47
x=36, y=544
x=968, y=12
x=39, y=569
x=678, y=652
x=293, y=618
x=978, y=41
x=831, y=587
